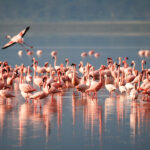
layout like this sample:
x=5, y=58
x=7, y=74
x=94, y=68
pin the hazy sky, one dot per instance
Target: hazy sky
x=73, y=10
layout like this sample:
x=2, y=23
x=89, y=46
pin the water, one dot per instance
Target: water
x=68, y=121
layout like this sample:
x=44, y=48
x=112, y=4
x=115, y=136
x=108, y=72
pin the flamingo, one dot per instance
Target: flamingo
x=41, y=94
x=20, y=53
x=91, y=52
x=53, y=53
x=109, y=87
x=17, y=39
x=75, y=79
x=96, y=86
x=55, y=61
x=25, y=87
x=81, y=67
x=122, y=88
x=83, y=54
x=96, y=55
x=141, y=53
x=147, y=53
x=39, y=52
x=134, y=93
x=82, y=87
x=28, y=77
x=143, y=62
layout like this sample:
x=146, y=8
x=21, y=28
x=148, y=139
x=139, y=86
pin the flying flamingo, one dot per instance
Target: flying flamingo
x=17, y=39
x=91, y=52
x=39, y=52
x=83, y=54
x=96, y=55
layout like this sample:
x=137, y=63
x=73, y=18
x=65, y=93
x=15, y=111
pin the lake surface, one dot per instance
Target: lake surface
x=68, y=121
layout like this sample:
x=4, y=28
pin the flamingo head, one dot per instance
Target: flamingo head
x=119, y=58
x=132, y=63
x=126, y=58
x=46, y=64
x=117, y=65
x=66, y=60
x=44, y=79
x=73, y=64
x=49, y=86
x=8, y=36
x=143, y=62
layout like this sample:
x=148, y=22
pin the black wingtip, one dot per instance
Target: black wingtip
x=28, y=27
x=3, y=48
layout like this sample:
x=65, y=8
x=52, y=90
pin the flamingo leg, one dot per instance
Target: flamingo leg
x=93, y=95
x=40, y=106
x=27, y=45
x=24, y=47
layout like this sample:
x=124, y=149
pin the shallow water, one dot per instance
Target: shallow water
x=68, y=121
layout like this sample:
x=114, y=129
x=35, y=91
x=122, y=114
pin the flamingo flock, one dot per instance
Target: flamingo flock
x=35, y=82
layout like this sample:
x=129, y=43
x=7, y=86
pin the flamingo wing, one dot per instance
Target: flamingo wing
x=23, y=32
x=10, y=43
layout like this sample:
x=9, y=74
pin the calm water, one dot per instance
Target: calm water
x=67, y=121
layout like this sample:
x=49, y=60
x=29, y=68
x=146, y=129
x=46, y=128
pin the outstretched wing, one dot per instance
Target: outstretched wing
x=23, y=32
x=10, y=43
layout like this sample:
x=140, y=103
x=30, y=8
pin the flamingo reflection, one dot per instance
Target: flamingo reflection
x=4, y=108
x=92, y=112
x=139, y=117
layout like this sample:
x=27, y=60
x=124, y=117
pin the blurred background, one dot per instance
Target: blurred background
x=73, y=10
x=78, y=24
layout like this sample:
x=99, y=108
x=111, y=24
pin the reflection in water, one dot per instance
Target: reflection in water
x=139, y=118
x=92, y=113
x=138, y=113
x=109, y=108
x=5, y=106
x=97, y=116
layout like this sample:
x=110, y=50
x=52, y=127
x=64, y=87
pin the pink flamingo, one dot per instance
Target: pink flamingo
x=82, y=87
x=25, y=87
x=96, y=55
x=39, y=52
x=91, y=52
x=108, y=86
x=147, y=53
x=17, y=39
x=29, y=52
x=55, y=61
x=143, y=62
x=53, y=53
x=29, y=77
x=20, y=53
x=141, y=53
x=83, y=54
x=95, y=86
x=134, y=93
x=41, y=94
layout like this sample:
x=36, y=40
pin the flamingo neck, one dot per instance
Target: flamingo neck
x=55, y=60
x=142, y=66
x=21, y=77
x=35, y=67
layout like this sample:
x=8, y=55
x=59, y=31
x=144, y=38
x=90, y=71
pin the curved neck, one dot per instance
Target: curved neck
x=55, y=60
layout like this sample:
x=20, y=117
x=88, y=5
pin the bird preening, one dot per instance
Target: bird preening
x=18, y=39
